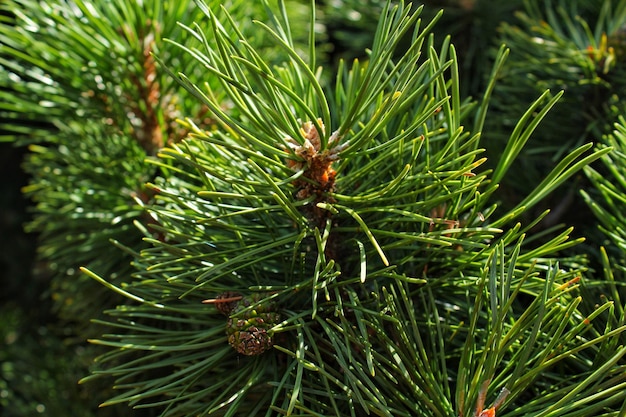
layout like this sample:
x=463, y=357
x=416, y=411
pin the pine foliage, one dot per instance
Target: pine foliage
x=289, y=237
x=574, y=46
x=83, y=89
x=607, y=198
x=325, y=247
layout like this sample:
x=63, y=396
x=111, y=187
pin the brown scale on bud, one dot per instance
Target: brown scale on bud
x=318, y=176
x=225, y=302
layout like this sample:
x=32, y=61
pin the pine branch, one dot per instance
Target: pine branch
x=316, y=254
x=570, y=46
x=81, y=85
